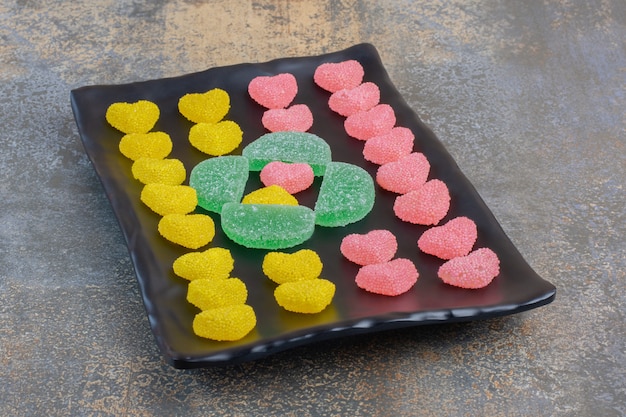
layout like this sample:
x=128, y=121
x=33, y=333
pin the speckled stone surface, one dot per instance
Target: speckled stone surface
x=529, y=99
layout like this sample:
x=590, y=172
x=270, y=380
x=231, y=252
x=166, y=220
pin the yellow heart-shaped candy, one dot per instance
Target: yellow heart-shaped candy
x=146, y=145
x=213, y=263
x=161, y=171
x=310, y=296
x=216, y=139
x=302, y=265
x=215, y=293
x=166, y=199
x=274, y=194
x=209, y=107
x=138, y=117
x=188, y=230
x=225, y=323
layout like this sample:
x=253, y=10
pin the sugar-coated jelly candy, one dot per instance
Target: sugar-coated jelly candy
x=389, y=278
x=274, y=194
x=213, y=263
x=215, y=293
x=216, y=139
x=219, y=180
x=335, y=76
x=473, y=271
x=308, y=296
x=161, y=171
x=451, y=240
x=168, y=199
x=346, y=195
x=267, y=226
x=188, y=230
x=374, y=247
x=283, y=267
x=209, y=107
x=301, y=147
x=228, y=323
x=137, y=117
x=146, y=145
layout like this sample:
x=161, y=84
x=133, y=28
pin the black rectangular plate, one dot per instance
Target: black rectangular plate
x=353, y=311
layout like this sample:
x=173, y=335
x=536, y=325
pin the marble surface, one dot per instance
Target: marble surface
x=528, y=97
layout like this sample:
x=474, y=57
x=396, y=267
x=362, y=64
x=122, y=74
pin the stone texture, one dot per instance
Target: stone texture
x=527, y=96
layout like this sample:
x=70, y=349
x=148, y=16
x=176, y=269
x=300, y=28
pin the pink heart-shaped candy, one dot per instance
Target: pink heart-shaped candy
x=335, y=76
x=426, y=206
x=376, y=121
x=375, y=247
x=294, y=177
x=390, y=278
x=273, y=92
x=389, y=147
x=451, y=240
x=297, y=118
x=347, y=102
x=473, y=271
x=404, y=175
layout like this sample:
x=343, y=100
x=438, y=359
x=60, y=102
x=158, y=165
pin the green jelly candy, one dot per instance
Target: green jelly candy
x=267, y=226
x=346, y=195
x=289, y=147
x=219, y=180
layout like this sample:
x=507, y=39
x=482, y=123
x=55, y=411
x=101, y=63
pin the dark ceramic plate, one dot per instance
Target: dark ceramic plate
x=353, y=311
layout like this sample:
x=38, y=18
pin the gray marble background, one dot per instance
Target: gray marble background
x=528, y=97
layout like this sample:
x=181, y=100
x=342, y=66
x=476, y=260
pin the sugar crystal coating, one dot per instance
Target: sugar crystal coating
x=188, y=230
x=283, y=267
x=216, y=139
x=335, y=76
x=215, y=293
x=374, y=247
x=376, y=121
x=168, y=199
x=146, y=145
x=346, y=195
x=162, y=171
x=450, y=240
x=347, y=102
x=389, y=278
x=208, y=107
x=267, y=226
x=219, y=180
x=225, y=323
x=137, y=117
x=213, y=263
x=297, y=118
x=299, y=147
x=308, y=296
x=426, y=206
x=472, y=271
x=274, y=194
x=389, y=147
x=294, y=177
x=273, y=92
x=407, y=174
